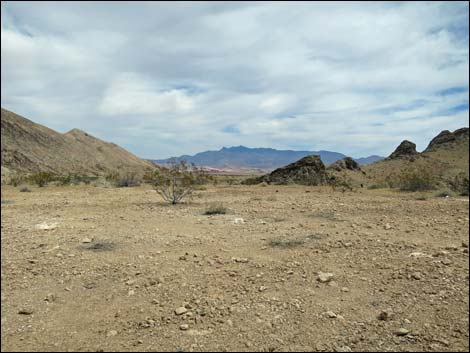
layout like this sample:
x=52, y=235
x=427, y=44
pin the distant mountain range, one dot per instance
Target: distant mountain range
x=266, y=159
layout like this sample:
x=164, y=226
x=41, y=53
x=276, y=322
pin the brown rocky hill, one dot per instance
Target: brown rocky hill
x=28, y=147
x=446, y=156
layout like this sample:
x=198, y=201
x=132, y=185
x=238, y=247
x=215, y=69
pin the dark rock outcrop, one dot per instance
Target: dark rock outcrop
x=447, y=138
x=346, y=163
x=309, y=170
x=406, y=149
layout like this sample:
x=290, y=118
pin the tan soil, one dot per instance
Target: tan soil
x=245, y=288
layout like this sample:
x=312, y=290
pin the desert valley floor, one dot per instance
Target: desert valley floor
x=288, y=268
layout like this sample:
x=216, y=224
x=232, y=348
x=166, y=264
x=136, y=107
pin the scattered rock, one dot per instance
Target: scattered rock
x=385, y=315
x=45, y=226
x=181, y=310
x=50, y=298
x=325, y=277
x=25, y=311
x=417, y=275
x=238, y=221
x=446, y=261
x=111, y=333
x=402, y=332
x=86, y=240
x=184, y=327
x=330, y=314
x=419, y=254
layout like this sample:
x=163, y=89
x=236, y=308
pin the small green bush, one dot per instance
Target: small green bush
x=418, y=180
x=16, y=180
x=124, y=179
x=444, y=193
x=41, y=179
x=460, y=184
x=128, y=180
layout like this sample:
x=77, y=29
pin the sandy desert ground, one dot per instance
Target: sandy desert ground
x=288, y=268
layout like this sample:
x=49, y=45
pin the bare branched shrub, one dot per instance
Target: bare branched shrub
x=176, y=182
x=24, y=189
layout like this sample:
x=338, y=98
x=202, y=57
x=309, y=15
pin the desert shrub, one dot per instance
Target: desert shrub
x=16, y=180
x=25, y=189
x=377, y=186
x=123, y=179
x=128, y=180
x=231, y=181
x=216, y=208
x=149, y=176
x=111, y=177
x=417, y=180
x=175, y=182
x=444, y=193
x=41, y=179
x=460, y=184
x=343, y=183
x=287, y=242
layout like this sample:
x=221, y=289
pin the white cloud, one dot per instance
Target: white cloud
x=169, y=78
x=131, y=94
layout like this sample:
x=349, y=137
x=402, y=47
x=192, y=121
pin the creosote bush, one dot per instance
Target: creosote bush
x=417, y=180
x=177, y=181
x=460, y=184
x=123, y=179
x=41, y=179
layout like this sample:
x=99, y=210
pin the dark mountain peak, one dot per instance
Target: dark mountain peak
x=404, y=150
x=447, y=138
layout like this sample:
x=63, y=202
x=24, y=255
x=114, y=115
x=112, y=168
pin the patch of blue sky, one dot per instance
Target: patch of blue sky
x=418, y=103
x=231, y=129
x=189, y=89
x=453, y=90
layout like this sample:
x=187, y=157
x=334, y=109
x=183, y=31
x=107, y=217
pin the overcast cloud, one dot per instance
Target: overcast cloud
x=164, y=79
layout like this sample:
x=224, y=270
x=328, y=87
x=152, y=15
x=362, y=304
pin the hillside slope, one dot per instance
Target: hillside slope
x=446, y=156
x=30, y=147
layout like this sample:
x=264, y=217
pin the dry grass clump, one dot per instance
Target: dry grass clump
x=214, y=209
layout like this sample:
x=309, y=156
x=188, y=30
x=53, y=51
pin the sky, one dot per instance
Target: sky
x=163, y=79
